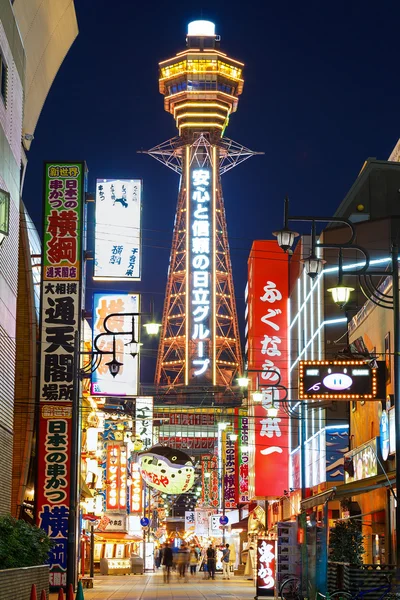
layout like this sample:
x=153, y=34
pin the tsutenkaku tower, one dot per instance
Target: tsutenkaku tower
x=199, y=344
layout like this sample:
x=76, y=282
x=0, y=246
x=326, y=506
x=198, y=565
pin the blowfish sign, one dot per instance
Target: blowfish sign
x=166, y=469
x=201, y=275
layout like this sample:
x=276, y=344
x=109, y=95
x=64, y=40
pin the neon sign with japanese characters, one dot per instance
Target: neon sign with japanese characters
x=200, y=275
x=116, y=477
x=63, y=227
x=267, y=363
x=118, y=229
x=266, y=559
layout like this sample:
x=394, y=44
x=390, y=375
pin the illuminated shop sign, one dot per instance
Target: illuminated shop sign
x=125, y=383
x=244, y=460
x=116, y=478
x=118, y=229
x=63, y=227
x=200, y=296
x=392, y=431
x=266, y=559
x=135, y=491
x=337, y=380
x=363, y=462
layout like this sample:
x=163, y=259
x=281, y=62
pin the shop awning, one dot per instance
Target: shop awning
x=85, y=491
x=350, y=489
x=117, y=535
x=241, y=524
x=318, y=499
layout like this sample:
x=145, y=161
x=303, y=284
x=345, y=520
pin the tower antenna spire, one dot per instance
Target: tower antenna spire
x=200, y=346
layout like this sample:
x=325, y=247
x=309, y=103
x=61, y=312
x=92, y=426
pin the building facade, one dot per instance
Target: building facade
x=33, y=44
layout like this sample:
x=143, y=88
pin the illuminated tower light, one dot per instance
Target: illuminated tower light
x=200, y=342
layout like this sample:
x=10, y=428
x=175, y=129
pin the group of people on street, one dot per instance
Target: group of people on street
x=187, y=558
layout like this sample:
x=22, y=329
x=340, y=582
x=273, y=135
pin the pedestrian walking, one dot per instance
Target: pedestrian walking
x=193, y=559
x=183, y=560
x=225, y=562
x=211, y=562
x=167, y=560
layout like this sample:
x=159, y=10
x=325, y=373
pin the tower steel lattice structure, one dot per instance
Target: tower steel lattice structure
x=200, y=344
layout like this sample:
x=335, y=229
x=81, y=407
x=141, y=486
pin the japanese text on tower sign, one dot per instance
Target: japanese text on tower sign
x=200, y=266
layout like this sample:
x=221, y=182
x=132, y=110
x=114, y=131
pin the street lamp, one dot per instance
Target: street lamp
x=341, y=294
x=285, y=237
x=114, y=366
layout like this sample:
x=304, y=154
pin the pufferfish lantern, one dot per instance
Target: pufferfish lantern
x=166, y=469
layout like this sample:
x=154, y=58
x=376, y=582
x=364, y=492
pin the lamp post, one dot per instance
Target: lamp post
x=80, y=373
x=341, y=295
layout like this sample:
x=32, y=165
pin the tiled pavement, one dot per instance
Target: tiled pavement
x=152, y=587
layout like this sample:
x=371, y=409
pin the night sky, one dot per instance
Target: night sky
x=321, y=95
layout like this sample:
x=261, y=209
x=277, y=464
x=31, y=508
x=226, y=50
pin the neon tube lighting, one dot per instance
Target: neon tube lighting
x=328, y=322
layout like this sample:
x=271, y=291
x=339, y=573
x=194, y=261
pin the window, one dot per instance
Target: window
x=4, y=213
x=3, y=78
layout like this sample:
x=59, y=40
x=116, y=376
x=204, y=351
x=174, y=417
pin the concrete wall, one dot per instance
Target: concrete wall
x=17, y=583
x=10, y=160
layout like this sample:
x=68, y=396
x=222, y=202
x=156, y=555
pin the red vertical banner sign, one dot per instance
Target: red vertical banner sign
x=268, y=292
x=230, y=479
x=61, y=291
x=243, y=459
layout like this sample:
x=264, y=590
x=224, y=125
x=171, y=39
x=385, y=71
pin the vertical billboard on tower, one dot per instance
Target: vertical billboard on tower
x=61, y=291
x=125, y=383
x=200, y=257
x=268, y=292
x=118, y=229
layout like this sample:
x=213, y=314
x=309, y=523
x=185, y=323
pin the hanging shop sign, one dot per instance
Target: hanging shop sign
x=230, y=478
x=144, y=421
x=337, y=379
x=209, y=479
x=118, y=230
x=166, y=469
x=189, y=521
x=384, y=435
x=116, y=477
x=135, y=490
x=266, y=566
x=392, y=430
x=195, y=443
x=60, y=319
x=267, y=367
x=201, y=269
x=363, y=462
x=201, y=518
x=244, y=460
x=125, y=383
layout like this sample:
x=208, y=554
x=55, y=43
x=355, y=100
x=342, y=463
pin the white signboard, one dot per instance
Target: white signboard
x=118, y=229
x=215, y=526
x=201, y=522
x=144, y=420
x=392, y=431
x=117, y=522
x=125, y=383
x=189, y=520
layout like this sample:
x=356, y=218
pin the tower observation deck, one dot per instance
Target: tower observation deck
x=199, y=344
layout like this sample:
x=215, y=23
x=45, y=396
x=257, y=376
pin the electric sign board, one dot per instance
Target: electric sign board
x=200, y=295
x=338, y=380
x=125, y=382
x=118, y=230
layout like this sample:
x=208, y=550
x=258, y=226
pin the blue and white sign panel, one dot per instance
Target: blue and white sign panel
x=200, y=292
x=118, y=229
x=125, y=383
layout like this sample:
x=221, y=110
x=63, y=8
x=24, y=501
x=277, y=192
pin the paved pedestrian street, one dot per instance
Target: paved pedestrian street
x=152, y=587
